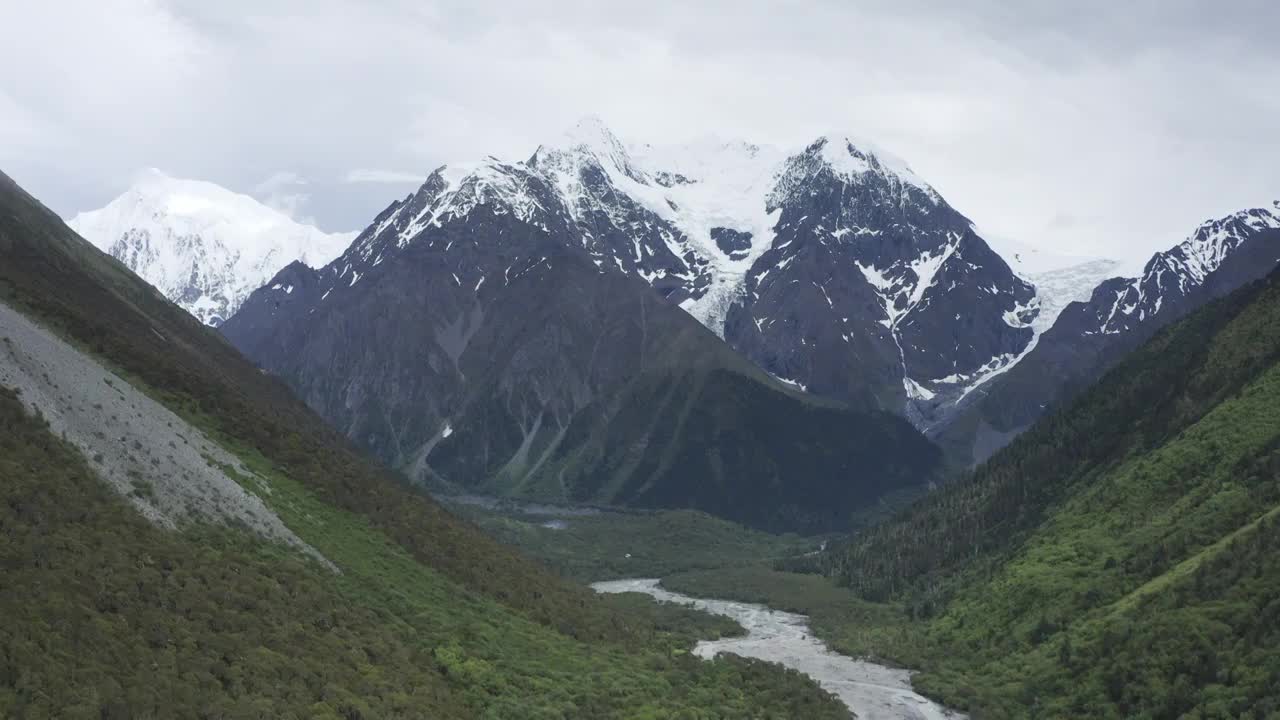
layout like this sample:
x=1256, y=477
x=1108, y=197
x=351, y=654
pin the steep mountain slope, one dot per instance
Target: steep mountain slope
x=832, y=266
x=1089, y=337
x=113, y=616
x=1117, y=559
x=464, y=341
x=172, y=473
x=869, y=260
x=205, y=247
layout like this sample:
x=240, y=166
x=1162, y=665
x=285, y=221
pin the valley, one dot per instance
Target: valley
x=700, y=558
x=412, y=612
x=869, y=690
x=593, y=544
x=805, y=533
x=1171, y=517
x=871, y=361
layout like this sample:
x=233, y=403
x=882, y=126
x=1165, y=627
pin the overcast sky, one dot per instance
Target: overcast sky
x=1092, y=127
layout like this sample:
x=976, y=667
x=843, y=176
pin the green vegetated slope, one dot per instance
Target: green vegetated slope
x=721, y=442
x=711, y=442
x=107, y=616
x=1119, y=559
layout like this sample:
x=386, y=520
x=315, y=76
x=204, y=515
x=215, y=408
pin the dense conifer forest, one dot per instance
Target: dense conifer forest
x=1113, y=561
x=108, y=616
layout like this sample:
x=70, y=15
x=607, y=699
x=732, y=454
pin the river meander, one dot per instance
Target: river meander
x=872, y=691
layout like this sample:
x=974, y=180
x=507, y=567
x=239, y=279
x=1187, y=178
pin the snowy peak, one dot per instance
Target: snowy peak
x=875, y=175
x=1031, y=260
x=1089, y=337
x=828, y=262
x=587, y=142
x=853, y=159
x=203, y=246
x=584, y=153
x=1239, y=244
x=193, y=203
x=1212, y=242
x=591, y=135
x=450, y=194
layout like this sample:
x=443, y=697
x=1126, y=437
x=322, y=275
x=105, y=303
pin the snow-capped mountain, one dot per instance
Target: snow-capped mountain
x=499, y=330
x=204, y=247
x=462, y=310
x=834, y=266
x=1171, y=276
x=874, y=288
x=1089, y=336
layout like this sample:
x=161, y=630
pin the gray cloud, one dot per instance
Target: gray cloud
x=283, y=190
x=1136, y=120
x=393, y=177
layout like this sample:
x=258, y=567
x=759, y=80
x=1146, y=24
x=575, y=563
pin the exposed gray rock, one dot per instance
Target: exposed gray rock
x=166, y=468
x=487, y=354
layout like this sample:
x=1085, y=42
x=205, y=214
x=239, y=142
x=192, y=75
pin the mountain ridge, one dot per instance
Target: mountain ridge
x=484, y=353
x=205, y=247
x=1090, y=336
x=1117, y=559
x=714, y=227
x=700, y=223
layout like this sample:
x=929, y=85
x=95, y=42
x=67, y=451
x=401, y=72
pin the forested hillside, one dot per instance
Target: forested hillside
x=1114, y=561
x=108, y=616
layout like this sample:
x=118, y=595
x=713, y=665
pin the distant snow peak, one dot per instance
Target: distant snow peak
x=1213, y=241
x=591, y=134
x=1030, y=260
x=589, y=137
x=203, y=246
x=771, y=249
x=855, y=163
x=852, y=158
x=501, y=186
x=1176, y=272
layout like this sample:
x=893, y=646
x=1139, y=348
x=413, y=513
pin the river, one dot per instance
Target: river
x=870, y=690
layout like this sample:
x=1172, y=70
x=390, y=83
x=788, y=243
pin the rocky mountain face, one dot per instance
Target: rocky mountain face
x=479, y=334
x=1089, y=337
x=204, y=247
x=536, y=299
x=835, y=268
x=873, y=289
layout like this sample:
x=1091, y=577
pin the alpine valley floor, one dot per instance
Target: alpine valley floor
x=196, y=609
